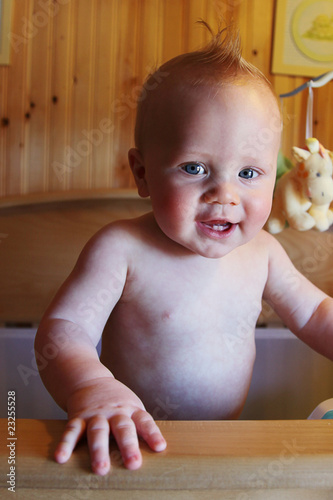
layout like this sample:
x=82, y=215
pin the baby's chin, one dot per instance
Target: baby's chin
x=214, y=251
x=214, y=254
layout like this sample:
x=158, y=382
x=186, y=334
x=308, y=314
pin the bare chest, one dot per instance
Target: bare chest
x=171, y=309
x=178, y=327
x=220, y=295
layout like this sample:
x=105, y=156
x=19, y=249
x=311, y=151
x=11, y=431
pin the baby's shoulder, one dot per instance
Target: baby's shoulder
x=267, y=241
x=269, y=245
x=267, y=251
x=119, y=237
x=263, y=244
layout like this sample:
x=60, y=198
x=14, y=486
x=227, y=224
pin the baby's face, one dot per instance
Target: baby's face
x=210, y=165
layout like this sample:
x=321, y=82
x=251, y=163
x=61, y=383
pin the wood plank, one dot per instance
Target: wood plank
x=224, y=457
x=186, y=494
x=262, y=38
x=172, y=39
x=287, y=84
x=60, y=196
x=40, y=243
x=312, y=254
x=3, y=128
x=127, y=85
x=61, y=95
x=244, y=21
x=323, y=101
x=102, y=133
x=17, y=146
x=84, y=66
x=196, y=36
x=37, y=116
x=298, y=105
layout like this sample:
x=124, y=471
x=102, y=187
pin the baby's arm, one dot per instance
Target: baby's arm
x=306, y=310
x=95, y=401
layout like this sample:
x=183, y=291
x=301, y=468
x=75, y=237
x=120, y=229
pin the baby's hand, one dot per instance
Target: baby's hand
x=105, y=406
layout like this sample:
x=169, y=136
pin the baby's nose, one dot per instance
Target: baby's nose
x=223, y=194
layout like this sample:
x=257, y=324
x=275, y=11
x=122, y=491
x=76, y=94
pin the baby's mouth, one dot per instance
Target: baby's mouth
x=217, y=229
x=217, y=226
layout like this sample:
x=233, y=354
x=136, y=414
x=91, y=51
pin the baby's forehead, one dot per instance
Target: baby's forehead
x=180, y=97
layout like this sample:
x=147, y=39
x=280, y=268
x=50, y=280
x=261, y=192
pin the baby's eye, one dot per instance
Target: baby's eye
x=194, y=168
x=248, y=173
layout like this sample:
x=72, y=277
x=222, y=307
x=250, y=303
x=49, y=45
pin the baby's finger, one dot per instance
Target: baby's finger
x=98, y=432
x=73, y=432
x=148, y=430
x=124, y=432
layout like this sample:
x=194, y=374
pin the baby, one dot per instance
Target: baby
x=177, y=292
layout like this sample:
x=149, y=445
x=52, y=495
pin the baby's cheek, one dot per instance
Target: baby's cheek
x=167, y=212
x=261, y=209
x=177, y=204
x=174, y=217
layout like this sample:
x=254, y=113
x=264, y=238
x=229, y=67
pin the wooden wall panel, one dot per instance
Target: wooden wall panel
x=104, y=85
x=133, y=25
x=12, y=117
x=61, y=93
x=37, y=119
x=84, y=69
x=68, y=98
x=172, y=29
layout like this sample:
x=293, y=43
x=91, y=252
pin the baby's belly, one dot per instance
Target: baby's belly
x=204, y=380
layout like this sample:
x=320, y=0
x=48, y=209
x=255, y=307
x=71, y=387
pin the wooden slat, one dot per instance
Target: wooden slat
x=102, y=132
x=244, y=21
x=38, y=102
x=195, y=36
x=17, y=146
x=261, y=38
x=299, y=113
x=84, y=65
x=286, y=84
x=126, y=86
x=60, y=196
x=40, y=243
x=323, y=99
x=172, y=29
x=61, y=94
x=3, y=129
x=218, y=460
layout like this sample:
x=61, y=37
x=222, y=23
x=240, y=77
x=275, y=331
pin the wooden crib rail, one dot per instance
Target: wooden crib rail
x=41, y=237
x=72, y=195
x=215, y=460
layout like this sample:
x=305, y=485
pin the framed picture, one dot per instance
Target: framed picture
x=5, y=25
x=303, y=37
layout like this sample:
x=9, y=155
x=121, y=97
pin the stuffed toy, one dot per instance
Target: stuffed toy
x=303, y=194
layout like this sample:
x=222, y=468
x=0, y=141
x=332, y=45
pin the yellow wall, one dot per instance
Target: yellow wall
x=68, y=98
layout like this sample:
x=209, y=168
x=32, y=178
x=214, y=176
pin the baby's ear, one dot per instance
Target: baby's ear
x=139, y=172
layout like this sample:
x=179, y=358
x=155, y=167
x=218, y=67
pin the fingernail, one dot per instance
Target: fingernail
x=100, y=468
x=132, y=461
x=160, y=445
x=61, y=456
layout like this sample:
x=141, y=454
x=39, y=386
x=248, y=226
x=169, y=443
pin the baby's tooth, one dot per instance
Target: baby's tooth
x=219, y=227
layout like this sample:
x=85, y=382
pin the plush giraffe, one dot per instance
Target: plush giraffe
x=303, y=195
